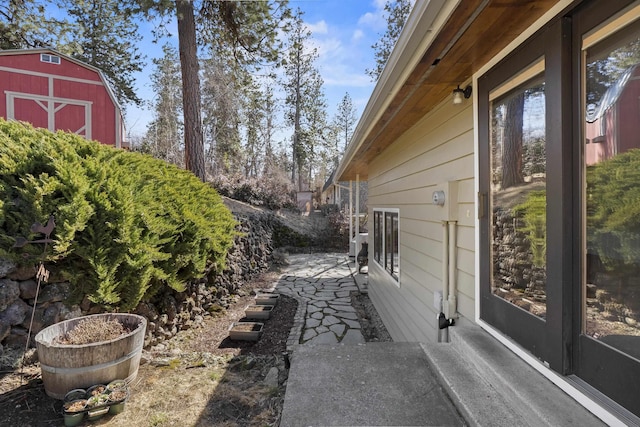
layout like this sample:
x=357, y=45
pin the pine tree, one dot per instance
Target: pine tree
x=164, y=134
x=107, y=38
x=254, y=120
x=222, y=102
x=345, y=120
x=26, y=24
x=304, y=97
x=397, y=12
x=248, y=28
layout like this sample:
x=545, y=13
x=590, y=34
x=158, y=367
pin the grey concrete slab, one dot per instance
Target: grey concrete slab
x=493, y=387
x=373, y=384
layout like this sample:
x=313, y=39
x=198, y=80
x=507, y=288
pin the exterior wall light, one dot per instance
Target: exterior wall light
x=459, y=94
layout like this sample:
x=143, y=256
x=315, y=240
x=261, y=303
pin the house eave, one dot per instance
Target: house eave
x=441, y=46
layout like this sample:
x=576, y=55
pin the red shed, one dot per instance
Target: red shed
x=54, y=91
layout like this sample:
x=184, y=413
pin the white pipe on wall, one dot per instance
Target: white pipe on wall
x=453, y=266
x=443, y=334
x=445, y=264
x=350, y=215
x=357, y=221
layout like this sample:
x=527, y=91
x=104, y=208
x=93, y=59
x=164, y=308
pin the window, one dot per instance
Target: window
x=517, y=138
x=386, y=232
x=52, y=59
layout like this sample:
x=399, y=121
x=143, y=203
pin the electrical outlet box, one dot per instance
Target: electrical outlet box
x=445, y=198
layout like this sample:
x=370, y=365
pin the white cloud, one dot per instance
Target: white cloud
x=357, y=35
x=375, y=19
x=319, y=27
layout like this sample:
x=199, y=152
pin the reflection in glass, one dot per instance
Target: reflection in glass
x=391, y=243
x=518, y=196
x=377, y=236
x=612, y=161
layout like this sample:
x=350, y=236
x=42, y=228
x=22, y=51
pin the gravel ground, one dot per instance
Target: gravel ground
x=198, y=378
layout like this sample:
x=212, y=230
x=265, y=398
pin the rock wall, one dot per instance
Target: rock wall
x=513, y=258
x=167, y=313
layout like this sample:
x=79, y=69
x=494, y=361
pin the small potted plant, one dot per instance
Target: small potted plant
x=118, y=394
x=96, y=390
x=117, y=400
x=97, y=406
x=73, y=412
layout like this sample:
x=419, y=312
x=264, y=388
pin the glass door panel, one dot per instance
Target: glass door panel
x=611, y=307
x=608, y=328
x=518, y=191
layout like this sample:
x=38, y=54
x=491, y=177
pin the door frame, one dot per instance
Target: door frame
x=611, y=372
x=544, y=338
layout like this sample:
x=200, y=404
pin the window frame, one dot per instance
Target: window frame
x=50, y=59
x=382, y=250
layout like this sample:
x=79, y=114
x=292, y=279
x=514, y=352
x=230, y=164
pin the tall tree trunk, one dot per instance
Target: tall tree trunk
x=512, y=149
x=193, y=140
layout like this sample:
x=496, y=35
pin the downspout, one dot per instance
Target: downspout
x=443, y=334
x=449, y=284
x=453, y=266
x=350, y=215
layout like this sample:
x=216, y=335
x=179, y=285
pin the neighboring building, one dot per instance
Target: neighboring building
x=56, y=92
x=612, y=124
x=486, y=204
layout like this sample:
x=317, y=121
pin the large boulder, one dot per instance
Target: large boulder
x=9, y=292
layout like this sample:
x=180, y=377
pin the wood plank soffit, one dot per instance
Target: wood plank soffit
x=475, y=32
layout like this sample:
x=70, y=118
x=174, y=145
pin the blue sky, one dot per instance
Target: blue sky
x=342, y=31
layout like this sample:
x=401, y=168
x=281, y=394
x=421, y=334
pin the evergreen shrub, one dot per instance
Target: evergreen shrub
x=613, y=214
x=127, y=225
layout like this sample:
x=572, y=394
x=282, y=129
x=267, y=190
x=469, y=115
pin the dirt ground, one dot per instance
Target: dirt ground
x=197, y=378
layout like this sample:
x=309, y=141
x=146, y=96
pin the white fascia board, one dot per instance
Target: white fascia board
x=420, y=30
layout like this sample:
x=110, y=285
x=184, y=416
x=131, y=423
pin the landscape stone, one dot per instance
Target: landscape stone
x=312, y=323
x=352, y=316
x=343, y=308
x=312, y=308
x=308, y=334
x=6, y=267
x=28, y=289
x=271, y=380
x=15, y=313
x=54, y=292
x=330, y=320
x=353, y=336
x=353, y=324
x=338, y=329
x=22, y=273
x=325, y=338
x=9, y=292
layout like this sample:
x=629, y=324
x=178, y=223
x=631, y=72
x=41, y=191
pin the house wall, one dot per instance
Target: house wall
x=437, y=149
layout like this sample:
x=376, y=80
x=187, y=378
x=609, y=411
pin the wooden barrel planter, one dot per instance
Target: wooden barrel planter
x=69, y=366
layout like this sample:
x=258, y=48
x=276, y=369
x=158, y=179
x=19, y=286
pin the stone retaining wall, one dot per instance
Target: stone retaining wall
x=168, y=312
x=513, y=258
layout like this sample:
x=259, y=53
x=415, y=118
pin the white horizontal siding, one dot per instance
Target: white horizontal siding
x=436, y=150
